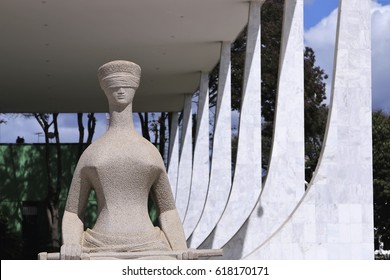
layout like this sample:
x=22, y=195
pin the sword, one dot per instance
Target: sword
x=190, y=254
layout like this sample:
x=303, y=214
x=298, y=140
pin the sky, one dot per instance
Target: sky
x=320, y=29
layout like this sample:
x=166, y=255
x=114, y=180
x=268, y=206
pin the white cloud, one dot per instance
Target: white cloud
x=69, y=130
x=18, y=125
x=321, y=38
x=381, y=56
x=28, y=128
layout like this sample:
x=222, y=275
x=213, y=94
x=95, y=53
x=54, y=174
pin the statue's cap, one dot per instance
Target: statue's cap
x=119, y=73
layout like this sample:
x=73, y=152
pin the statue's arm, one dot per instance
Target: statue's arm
x=168, y=216
x=72, y=221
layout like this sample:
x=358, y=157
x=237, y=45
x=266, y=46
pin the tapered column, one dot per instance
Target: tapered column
x=246, y=186
x=201, y=164
x=284, y=186
x=173, y=156
x=220, y=177
x=335, y=218
x=185, y=162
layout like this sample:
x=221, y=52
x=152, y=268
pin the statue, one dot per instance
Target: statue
x=122, y=168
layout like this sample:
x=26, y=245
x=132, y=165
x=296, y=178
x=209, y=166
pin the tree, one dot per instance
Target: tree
x=10, y=242
x=54, y=168
x=2, y=121
x=314, y=85
x=316, y=111
x=144, y=119
x=54, y=175
x=381, y=168
x=158, y=127
x=91, y=125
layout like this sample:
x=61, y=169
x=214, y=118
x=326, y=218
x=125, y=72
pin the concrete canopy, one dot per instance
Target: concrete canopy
x=50, y=50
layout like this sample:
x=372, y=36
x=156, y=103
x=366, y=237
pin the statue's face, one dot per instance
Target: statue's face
x=120, y=95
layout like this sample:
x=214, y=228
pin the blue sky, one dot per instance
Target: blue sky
x=320, y=35
x=320, y=23
x=315, y=10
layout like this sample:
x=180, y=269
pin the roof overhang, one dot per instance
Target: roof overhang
x=50, y=50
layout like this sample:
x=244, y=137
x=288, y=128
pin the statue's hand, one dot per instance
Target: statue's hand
x=70, y=252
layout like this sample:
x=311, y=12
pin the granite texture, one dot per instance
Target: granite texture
x=333, y=219
x=122, y=168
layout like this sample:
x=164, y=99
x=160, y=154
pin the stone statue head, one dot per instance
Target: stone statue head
x=119, y=80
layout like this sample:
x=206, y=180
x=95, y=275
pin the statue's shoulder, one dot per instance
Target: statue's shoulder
x=90, y=153
x=146, y=143
x=152, y=151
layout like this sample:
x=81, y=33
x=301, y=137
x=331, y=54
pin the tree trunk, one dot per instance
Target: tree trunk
x=91, y=127
x=162, y=133
x=144, y=125
x=50, y=188
x=81, y=133
x=53, y=219
x=59, y=156
x=56, y=197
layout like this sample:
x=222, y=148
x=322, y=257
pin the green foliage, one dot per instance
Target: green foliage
x=271, y=33
x=314, y=86
x=381, y=166
x=23, y=179
x=153, y=213
x=20, y=169
x=23, y=176
x=271, y=25
x=10, y=241
x=316, y=111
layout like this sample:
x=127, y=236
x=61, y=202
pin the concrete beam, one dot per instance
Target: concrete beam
x=220, y=177
x=246, y=186
x=334, y=220
x=201, y=162
x=185, y=162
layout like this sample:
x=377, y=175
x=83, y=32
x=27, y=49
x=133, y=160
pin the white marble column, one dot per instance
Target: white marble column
x=173, y=156
x=334, y=220
x=220, y=177
x=185, y=160
x=284, y=185
x=201, y=162
x=246, y=186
